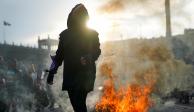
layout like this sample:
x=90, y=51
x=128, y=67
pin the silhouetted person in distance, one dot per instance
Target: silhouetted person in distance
x=78, y=49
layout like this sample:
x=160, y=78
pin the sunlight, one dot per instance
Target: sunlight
x=101, y=24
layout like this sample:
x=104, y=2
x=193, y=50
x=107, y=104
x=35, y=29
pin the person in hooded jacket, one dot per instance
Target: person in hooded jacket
x=78, y=49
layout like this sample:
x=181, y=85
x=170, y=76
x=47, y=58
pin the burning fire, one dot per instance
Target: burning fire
x=129, y=98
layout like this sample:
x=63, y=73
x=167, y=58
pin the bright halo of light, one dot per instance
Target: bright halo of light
x=101, y=24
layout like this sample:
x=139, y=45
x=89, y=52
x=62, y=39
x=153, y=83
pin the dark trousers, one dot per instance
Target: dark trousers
x=78, y=100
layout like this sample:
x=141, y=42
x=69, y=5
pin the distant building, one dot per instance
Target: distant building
x=50, y=44
x=189, y=31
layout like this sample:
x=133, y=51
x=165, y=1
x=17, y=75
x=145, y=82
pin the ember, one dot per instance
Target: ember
x=129, y=98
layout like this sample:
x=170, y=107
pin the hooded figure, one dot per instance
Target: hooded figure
x=78, y=49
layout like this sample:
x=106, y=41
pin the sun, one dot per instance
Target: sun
x=100, y=23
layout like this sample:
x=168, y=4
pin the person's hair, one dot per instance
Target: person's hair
x=78, y=16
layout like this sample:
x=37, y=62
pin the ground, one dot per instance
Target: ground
x=170, y=106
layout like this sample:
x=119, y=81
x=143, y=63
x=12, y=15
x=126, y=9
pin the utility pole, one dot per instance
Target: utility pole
x=168, y=18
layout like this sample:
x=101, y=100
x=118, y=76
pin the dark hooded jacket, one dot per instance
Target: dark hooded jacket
x=75, y=42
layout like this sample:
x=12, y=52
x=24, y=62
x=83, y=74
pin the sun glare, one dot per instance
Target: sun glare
x=101, y=24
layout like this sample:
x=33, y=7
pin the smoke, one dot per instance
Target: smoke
x=114, y=5
x=149, y=9
x=61, y=97
x=138, y=61
x=118, y=5
x=145, y=7
x=150, y=6
x=17, y=96
x=142, y=61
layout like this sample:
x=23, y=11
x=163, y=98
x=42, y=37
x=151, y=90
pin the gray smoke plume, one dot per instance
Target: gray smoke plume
x=148, y=9
x=118, y=5
x=138, y=61
x=140, y=57
x=141, y=61
x=147, y=5
x=167, y=62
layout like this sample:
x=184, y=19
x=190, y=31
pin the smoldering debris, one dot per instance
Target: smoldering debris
x=141, y=61
x=166, y=62
x=137, y=56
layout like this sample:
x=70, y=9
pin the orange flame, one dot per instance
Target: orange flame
x=131, y=98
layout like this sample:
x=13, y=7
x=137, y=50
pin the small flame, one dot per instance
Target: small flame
x=129, y=98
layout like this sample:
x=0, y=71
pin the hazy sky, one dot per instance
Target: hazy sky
x=128, y=18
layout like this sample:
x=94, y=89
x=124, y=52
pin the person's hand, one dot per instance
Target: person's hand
x=83, y=61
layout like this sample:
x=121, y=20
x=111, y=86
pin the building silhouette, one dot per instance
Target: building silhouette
x=49, y=44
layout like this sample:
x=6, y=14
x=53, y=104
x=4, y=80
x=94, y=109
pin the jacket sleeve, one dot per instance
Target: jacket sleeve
x=95, y=47
x=56, y=61
x=60, y=52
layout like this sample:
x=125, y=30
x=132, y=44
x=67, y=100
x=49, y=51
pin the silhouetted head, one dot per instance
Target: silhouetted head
x=78, y=17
